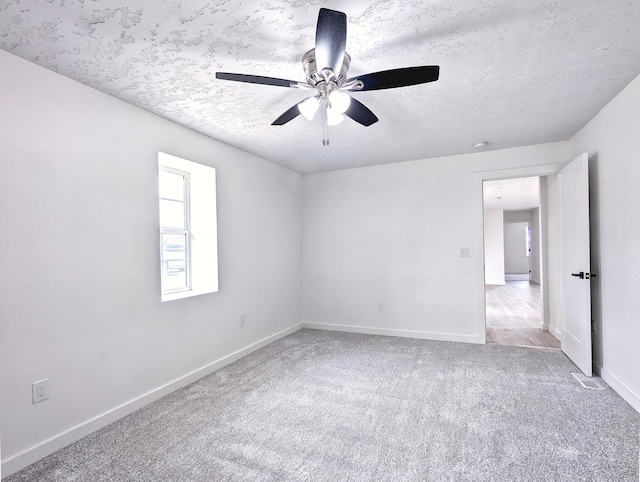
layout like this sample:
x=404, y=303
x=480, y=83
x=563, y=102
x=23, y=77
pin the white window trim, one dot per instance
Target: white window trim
x=185, y=231
x=203, y=236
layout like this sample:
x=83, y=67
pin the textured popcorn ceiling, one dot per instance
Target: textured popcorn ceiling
x=512, y=194
x=513, y=72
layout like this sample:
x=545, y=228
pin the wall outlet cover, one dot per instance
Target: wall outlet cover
x=40, y=391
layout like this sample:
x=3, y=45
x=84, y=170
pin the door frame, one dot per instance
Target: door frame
x=494, y=175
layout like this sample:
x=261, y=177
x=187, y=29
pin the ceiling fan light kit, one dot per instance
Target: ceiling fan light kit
x=326, y=68
x=309, y=107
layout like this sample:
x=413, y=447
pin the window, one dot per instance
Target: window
x=174, y=230
x=188, y=228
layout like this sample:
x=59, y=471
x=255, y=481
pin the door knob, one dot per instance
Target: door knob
x=578, y=275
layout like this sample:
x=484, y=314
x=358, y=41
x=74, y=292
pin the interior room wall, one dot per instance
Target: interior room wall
x=613, y=143
x=493, y=247
x=80, y=260
x=516, y=260
x=515, y=216
x=535, y=246
x=545, y=269
x=392, y=234
x=553, y=228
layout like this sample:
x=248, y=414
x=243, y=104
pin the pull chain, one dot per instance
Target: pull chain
x=325, y=125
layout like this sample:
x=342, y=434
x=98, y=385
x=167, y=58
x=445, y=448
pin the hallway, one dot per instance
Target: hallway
x=513, y=315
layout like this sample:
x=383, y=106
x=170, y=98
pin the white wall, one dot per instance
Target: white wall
x=80, y=284
x=516, y=260
x=613, y=144
x=392, y=233
x=554, y=322
x=535, y=246
x=493, y=247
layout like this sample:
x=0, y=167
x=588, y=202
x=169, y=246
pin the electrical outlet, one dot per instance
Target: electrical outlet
x=380, y=305
x=593, y=326
x=40, y=391
x=464, y=252
x=242, y=320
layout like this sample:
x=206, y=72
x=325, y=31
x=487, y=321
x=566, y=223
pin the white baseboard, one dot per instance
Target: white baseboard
x=555, y=332
x=33, y=454
x=631, y=398
x=368, y=330
x=535, y=281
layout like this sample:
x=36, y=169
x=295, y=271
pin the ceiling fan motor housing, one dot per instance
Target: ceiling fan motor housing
x=311, y=69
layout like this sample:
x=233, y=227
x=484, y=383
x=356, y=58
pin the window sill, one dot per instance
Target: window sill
x=184, y=294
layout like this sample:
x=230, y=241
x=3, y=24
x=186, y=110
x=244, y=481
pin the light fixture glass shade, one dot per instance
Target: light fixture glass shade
x=334, y=117
x=339, y=101
x=309, y=107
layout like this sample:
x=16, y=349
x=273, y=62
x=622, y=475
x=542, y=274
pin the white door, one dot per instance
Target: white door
x=574, y=187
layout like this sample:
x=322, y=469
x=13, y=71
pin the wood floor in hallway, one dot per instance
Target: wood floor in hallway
x=513, y=315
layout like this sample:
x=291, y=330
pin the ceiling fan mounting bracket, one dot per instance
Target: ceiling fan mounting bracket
x=314, y=77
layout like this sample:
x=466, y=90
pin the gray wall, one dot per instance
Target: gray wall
x=516, y=260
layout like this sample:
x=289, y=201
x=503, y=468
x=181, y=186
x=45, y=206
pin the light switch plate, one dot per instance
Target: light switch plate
x=464, y=252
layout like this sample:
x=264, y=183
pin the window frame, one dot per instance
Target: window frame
x=186, y=231
x=203, y=227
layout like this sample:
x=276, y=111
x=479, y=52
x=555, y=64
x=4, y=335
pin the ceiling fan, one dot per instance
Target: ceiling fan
x=326, y=69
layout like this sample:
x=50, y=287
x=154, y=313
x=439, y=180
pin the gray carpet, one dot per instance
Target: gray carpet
x=328, y=406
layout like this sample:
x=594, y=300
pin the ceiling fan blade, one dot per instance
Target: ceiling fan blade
x=255, y=79
x=287, y=116
x=331, y=40
x=360, y=113
x=390, y=79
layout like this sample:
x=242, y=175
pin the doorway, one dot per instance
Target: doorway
x=513, y=263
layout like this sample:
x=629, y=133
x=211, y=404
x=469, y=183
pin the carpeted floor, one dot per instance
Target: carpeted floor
x=328, y=406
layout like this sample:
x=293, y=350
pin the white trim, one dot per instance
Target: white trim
x=25, y=458
x=369, y=330
x=201, y=227
x=631, y=398
x=185, y=231
x=555, y=332
x=518, y=220
x=492, y=175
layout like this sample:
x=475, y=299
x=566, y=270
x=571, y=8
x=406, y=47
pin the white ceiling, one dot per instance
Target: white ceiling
x=513, y=72
x=512, y=194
